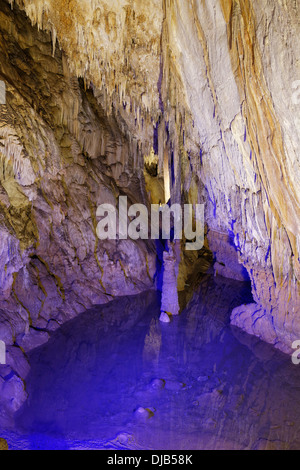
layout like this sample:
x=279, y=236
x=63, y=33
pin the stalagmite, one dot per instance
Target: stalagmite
x=169, y=298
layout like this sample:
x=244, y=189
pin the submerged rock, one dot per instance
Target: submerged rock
x=175, y=386
x=165, y=317
x=144, y=414
x=158, y=384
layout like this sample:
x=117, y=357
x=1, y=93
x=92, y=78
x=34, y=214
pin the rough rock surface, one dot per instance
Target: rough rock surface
x=238, y=62
x=169, y=297
x=211, y=87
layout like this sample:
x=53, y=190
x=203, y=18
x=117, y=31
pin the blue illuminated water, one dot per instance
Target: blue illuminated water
x=216, y=388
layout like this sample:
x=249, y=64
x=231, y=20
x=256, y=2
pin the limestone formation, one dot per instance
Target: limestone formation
x=165, y=317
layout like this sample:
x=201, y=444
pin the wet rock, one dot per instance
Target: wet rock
x=143, y=414
x=124, y=439
x=165, y=317
x=254, y=319
x=169, y=298
x=12, y=393
x=32, y=339
x=17, y=361
x=202, y=378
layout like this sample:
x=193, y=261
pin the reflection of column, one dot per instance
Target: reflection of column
x=152, y=344
x=169, y=298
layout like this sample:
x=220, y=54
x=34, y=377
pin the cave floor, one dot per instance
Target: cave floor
x=202, y=383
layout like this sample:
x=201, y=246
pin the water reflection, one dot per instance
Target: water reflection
x=115, y=377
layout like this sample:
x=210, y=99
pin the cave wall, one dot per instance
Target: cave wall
x=207, y=89
x=244, y=110
x=238, y=62
x=62, y=155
